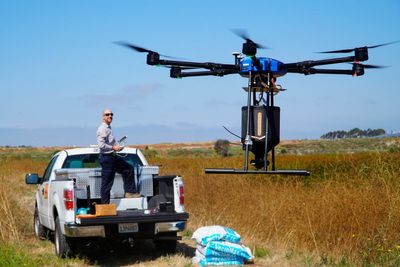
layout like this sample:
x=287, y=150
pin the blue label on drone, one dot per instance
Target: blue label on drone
x=265, y=65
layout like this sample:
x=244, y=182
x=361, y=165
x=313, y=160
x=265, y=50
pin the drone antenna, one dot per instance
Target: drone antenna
x=237, y=58
x=231, y=132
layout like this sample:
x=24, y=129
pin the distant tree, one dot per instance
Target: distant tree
x=221, y=147
x=353, y=133
x=377, y=132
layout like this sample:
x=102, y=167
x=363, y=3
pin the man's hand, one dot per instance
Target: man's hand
x=117, y=148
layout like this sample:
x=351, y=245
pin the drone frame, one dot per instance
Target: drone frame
x=248, y=65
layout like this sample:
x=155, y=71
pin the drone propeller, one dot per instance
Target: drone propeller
x=366, y=66
x=354, y=49
x=139, y=49
x=134, y=47
x=243, y=34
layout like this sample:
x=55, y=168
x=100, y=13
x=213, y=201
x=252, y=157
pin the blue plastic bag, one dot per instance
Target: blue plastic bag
x=206, y=234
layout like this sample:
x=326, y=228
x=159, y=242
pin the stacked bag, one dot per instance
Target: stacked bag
x=217, y=245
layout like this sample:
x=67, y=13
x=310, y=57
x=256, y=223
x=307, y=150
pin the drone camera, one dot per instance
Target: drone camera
x=361, y=53
x=153, y=58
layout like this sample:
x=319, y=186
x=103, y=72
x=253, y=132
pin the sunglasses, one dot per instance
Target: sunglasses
x=109, y=114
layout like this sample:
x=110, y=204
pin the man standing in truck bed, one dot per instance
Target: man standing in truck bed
x=111, y=163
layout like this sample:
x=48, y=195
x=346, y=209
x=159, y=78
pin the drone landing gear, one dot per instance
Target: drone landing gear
x=260, y=129
x=238, y=171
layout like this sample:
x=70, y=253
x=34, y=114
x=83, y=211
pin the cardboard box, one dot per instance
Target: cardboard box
x=106, y=210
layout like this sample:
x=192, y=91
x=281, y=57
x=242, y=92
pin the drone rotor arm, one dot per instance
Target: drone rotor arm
x=202, y=65
x=217, y=72
x=356, y=71
x=312, y=63
x=331, y=71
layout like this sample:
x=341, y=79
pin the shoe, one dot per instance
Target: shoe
x=132, y=195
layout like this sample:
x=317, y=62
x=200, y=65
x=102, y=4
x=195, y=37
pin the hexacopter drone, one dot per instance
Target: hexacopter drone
x=260, y=118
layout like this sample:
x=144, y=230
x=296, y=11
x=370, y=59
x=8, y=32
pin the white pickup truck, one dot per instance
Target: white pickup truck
x=70, y=188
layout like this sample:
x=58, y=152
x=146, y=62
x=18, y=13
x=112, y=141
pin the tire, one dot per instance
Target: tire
x=40, y=230
x=166, y=245
x=63, y=246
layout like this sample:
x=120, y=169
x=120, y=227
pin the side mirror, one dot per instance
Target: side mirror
x=32, y=178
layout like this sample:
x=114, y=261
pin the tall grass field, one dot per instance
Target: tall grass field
x=347, y=213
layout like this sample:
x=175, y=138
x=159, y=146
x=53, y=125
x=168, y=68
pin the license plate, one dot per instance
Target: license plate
x=128, y=228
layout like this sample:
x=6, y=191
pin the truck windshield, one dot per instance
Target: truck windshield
x=92, y=161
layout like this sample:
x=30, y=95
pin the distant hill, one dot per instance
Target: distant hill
x=290, y=147
x=206, y=149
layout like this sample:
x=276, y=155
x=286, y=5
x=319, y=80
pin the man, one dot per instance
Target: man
x=111, y=163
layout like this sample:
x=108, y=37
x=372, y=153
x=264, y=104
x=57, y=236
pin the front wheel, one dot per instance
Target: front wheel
x=63, y=246
x=40, y=230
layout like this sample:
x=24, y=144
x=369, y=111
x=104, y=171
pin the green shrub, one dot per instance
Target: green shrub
x=221, y=147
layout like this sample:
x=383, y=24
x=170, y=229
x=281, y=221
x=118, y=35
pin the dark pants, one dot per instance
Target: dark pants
x=110, y=164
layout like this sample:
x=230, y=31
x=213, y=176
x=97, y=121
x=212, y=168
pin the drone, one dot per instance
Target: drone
x=260, y=132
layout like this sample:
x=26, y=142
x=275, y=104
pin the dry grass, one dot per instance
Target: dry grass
x=347, y=208
x=16, y=200
x=345, y=213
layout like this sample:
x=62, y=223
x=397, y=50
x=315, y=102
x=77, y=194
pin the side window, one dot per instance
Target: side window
x=49, y=168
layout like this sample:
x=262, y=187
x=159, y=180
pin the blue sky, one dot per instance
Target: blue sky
x=59, y=68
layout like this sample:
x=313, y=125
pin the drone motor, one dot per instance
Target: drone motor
x=153, y=58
